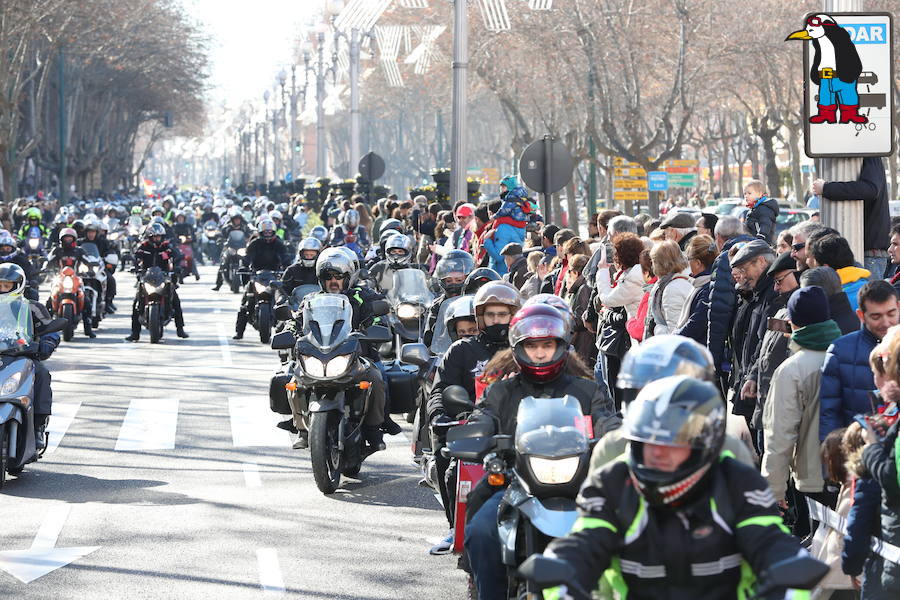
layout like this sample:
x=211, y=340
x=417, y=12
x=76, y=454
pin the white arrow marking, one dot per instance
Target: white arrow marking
x=63, y=415
x=43, y=557
x=251, y=475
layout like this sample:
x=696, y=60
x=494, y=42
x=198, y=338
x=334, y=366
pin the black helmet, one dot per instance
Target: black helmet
x=334, y=262
x=455, y=261
x=663, y=356
x=478, y=278
x=675, y=411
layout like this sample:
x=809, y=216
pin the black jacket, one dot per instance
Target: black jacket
x=464, y=360
x=749, y=328
x=262, y=254
x=722, y=303
x=165, y=256
x=871, y=188
x=760, y=221
x=842, y=313
x=101, y=243
x=881, y=464
x=685, y=553
x=297, y=275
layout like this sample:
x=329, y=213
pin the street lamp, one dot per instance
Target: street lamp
x=265, y=125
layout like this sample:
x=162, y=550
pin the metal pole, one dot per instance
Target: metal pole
x=440, y=138
x=548, y=161
x=458, y=165
x=354, y=101
x=265, y=146
x=592, y=179
x=845, y=216
x=276, y=167
x=293, y=122
x=63, y=189
x=320, y=110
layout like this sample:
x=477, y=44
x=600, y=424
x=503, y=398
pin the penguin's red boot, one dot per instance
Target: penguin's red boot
x=849, y=114
x=827, y=114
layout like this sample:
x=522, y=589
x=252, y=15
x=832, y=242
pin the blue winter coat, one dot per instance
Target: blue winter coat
x=879, y=459
x=503, y=235
x=695, y=326
x=863, y=521
x=722, y=302
x=846, y=381
x=760, y=221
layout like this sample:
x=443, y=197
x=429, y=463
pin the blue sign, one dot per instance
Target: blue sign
x=289, y=177
x=657, y=181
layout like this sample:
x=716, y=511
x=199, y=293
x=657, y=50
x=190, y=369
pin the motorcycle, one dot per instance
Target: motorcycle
x=17, y=341
x=544, y=466
x=211, y=242
x=156, y=291
x=235, y=249
x=67, y=299
x=35, y=249
x=92, y=271
x=326, y=383
x=132, y=238
x=185, y=246
x=263, y=286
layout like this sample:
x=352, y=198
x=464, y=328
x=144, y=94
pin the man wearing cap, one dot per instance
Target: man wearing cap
x=679, y=227
x=516, y=265
x=791, y=415
x=774, y=348
x=750, y=266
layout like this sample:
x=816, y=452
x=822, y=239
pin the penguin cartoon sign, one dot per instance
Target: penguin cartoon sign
x=848, y=100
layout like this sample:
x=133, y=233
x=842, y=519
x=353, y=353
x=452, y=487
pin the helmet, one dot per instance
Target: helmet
x=391, y=224
x=266, y=230
x=14, y=274
x=333, y=261
x=663, y=356
x=351, y=256
x=158, y=219
x=33, y=213
x=137, y=210
x=556, y=302
x=6, y=239
x=462, y=307
x=103, y=226
x=178, y=213
x=309, y=243
x=276, y=215
x=351, y=218
x=154, y=229
x=233, y=212
x=398, y=249
x=495, y=292
x=68, y=231
x=540, y=322
x=112, y=211
x=92, y=226
x=478, y=278
x=246, y=205
x=675, y=411
x=455, y=261
x=157, y=209
x=320, y=233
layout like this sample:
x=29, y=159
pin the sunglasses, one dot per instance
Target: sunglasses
x=798, y=246
x=782, y=278
x=333, y=276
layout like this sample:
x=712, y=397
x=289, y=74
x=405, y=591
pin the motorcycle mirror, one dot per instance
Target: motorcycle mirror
x=471, y=441
x=53, y=326
x=283, y=312
x=455, y=399
x=381, y=308
x=377, y=334
x=545, y=572
x=799, y=572
x=415, y=354
x=283, y=340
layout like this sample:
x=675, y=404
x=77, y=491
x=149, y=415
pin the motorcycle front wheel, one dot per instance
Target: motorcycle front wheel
x=68, y=313
x=154, y=323
x=323, y=449
x=4, y=458
x=264, y=322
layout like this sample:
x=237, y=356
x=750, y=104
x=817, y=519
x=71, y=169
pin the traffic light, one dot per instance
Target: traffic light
x=296, y=145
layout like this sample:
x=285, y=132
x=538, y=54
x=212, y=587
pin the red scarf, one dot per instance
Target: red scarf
x=562, y=276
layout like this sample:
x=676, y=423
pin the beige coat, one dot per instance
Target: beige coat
x=791, y=424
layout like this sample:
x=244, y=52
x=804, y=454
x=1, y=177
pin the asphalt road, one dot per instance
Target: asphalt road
x=168, y=479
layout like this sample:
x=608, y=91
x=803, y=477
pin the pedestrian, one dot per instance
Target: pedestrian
x=706, y=224
x=670, y=292
x=800, y=234
x=554, y=281
x=847, y=378
x=834, y=251
x=893, y=270
x=701, y=253
x=616, y=224
x=516, y=265
x=784, y=241
x=578, y=295
x=538, y=267
x=841, y=311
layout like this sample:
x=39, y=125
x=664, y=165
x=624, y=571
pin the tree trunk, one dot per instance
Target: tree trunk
x=796, y=174
x=572, y=208
x=773, y=185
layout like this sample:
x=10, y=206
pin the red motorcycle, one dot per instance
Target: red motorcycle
x=67, y=299
x=187, y=252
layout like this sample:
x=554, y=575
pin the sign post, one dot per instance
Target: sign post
x=546, y=167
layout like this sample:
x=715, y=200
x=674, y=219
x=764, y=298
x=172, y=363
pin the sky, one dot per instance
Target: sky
x=250, y=42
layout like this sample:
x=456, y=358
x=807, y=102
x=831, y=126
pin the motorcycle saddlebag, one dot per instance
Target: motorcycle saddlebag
x=403, y=386
x=278, y=400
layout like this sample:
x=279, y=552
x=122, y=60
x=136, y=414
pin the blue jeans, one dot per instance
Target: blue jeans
x=483, y=547
x=876, y=265
x=834, y=91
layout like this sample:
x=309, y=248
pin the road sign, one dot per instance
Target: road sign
x=289, y=177
x=658, y=181
x=546, y=166
x=371, y=167
x=676, y=163
x=631, y=195
x=491, y=175
x=630, y=184
x=848, y=103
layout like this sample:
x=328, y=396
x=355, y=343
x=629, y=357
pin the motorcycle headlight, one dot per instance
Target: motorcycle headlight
x=337, y=366
x=68, y=283
x=554, y=470
x=153, y=289
x=408, y=311
x=34, y=243
x=12, y=384
x=313, y=366
x=242, y=252
x=260, y=287
x=83, y=268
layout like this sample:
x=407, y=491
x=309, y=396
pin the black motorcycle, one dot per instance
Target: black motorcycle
x=235, y=249
x=156, y=289
x=327, y=376
x=263, y=289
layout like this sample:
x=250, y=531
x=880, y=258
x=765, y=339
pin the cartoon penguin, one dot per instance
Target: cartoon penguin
x=835, y=69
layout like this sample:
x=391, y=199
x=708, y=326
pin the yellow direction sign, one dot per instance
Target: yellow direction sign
x=683, y=163
x=630, y=184
x=631, y=195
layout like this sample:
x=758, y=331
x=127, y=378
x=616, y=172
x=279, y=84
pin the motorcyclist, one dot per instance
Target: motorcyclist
x=9, y=253
x=460, y=318
x=676, y=517
x=320, y=232
x=32, y=218
x=351, y=234
x=92, y=236
x=181, y=228
x=478, y=278
x=334, y=270
x=451, y=273
x=539, y=340
x=156, y=251
x=235, y=222
x=303, y=271
x=67, y=253
x=266, y=252
x=398, y=252
x=12, y=284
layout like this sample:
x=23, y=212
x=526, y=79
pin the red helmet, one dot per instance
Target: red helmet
x=540, y=322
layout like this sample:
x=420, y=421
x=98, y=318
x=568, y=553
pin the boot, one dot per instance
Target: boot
x=40, y=429
x=849, y=114
x=287, y=425
x=180, y=332
x=374, y=437
x=827, y=114
x=240, y=325
x=88, y=330
x=389, y=426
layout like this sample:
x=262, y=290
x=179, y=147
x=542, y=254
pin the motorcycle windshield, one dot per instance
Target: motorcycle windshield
x=410, y=285
x=91, y=250
x=236, y=239
x=155, y=276
x=15, y=323
x=327, y=320
x=440, y=339
x=135, y=222
x=550, y=427
x=300, y=292
x=34, y=232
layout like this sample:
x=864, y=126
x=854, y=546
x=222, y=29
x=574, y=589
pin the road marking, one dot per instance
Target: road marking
x=270, y=579
x=43, y=557
x=60, y=420
x=253, y=424
x=223, y=344
x=217, y=311
x=251, y=475
x=149, y=424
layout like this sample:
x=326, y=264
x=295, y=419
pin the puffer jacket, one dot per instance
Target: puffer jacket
x=846, y=380
x=772, y=352
x=693, y=320
x=722, y=304
x=864, y=521
x=879, y=460
x=791, y=424
x=628, y=291
x=760, y=221
x=666, y=309
x=852, y=280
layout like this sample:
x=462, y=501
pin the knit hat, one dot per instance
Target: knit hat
x=510, y=182
x=808, y=305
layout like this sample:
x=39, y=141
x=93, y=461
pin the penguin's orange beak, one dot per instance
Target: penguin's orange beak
x=799, y=35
